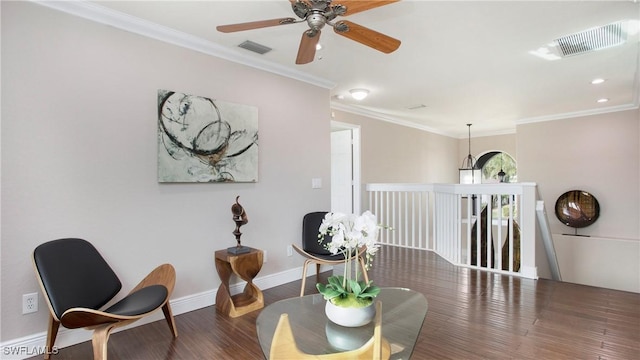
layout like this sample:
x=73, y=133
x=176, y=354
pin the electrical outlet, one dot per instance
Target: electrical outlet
x=264, y=256
x=29, y=303
x=289, y=250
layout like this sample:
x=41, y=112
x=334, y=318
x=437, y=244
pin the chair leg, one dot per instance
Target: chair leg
x=304, y=277
x=317, y=272
x=99, y=340
x=52, y=332
x=168, y=315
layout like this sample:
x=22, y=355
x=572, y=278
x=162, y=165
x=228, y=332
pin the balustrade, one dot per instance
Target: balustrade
x=486, y=226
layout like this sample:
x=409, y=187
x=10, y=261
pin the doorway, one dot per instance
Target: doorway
x=345, y=168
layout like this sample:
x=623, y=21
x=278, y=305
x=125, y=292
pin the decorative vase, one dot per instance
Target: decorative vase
x=350, y=316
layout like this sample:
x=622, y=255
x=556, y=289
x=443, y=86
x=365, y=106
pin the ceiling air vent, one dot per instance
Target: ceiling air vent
x=255, y=47
x=592, y=39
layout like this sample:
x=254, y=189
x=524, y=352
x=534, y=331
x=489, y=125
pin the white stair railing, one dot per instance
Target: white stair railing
x=485, y=226
x=406, y=210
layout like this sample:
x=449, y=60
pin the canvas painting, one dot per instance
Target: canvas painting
x=206, y=140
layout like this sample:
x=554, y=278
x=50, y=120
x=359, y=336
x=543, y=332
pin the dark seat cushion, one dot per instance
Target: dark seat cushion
x=310, y=241
x=330, y=257
x=74, y=274
x=140, y=302
x=310, y=231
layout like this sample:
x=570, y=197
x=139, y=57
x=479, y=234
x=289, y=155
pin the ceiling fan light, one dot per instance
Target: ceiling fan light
x=359, y=94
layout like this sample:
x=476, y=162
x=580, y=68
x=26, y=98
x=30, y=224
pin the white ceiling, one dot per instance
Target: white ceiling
x=466, y=61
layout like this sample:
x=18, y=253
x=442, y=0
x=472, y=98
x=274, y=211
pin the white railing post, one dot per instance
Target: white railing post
x=528, y=232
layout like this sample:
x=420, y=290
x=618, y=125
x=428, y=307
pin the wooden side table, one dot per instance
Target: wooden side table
x=246, y=266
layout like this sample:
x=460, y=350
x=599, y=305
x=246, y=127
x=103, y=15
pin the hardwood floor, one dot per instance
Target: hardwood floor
x=472, y=315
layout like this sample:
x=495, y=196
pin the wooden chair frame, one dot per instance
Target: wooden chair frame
x=310, y=259
x=103, y=323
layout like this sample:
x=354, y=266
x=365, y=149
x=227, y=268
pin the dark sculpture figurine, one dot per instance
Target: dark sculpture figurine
x=240, y=218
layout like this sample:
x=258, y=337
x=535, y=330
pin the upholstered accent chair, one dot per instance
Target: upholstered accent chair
x=77, y=282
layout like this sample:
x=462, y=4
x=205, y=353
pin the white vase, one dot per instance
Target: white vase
x=347, y=338
x=350, y=316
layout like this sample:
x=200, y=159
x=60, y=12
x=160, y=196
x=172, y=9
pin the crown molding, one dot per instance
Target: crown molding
x=509, y=131
x=103, y=15
x=375, y=115
x=575, y=114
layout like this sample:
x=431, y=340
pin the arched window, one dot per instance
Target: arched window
x=492, y=162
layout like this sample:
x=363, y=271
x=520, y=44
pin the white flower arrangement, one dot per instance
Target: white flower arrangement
x=350, y=233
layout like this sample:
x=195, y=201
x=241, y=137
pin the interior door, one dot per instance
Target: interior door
x=341, y=172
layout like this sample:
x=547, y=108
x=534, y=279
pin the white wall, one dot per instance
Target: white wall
x=484, y=144
x=599, y=154
x=603, y=262
x=79, y=154
x=395, y=153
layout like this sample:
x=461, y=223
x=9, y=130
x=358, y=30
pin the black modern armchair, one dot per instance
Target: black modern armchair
x=77, y=281
x=314, y=251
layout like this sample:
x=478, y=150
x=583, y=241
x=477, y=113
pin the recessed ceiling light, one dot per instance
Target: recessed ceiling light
x=359, y=94
x=597, y=81
x=603, y=100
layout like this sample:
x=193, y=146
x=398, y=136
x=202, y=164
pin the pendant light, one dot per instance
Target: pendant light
x=501, y=173
x=470, y=173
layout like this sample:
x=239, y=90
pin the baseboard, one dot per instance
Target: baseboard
x=32, y=345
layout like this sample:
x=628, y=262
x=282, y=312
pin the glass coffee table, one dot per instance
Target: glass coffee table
x=403, y=312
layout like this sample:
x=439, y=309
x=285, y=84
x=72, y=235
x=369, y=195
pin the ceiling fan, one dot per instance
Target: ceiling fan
x=317, y=14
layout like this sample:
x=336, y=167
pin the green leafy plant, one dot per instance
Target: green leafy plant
x=348, y=292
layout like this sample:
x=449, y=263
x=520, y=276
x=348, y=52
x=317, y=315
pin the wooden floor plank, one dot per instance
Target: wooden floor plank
x=472, y=315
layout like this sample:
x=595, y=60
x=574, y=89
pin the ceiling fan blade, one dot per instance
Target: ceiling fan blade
x=255, y=25
x=304, y=1
x=356, y=6
x=366, y=36
x=307, y=49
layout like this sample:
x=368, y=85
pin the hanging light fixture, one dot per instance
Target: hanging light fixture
x=470, y=173
x=501, y=173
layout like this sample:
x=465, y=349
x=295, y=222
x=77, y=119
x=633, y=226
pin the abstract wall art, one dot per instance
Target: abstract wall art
x=206, y=140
